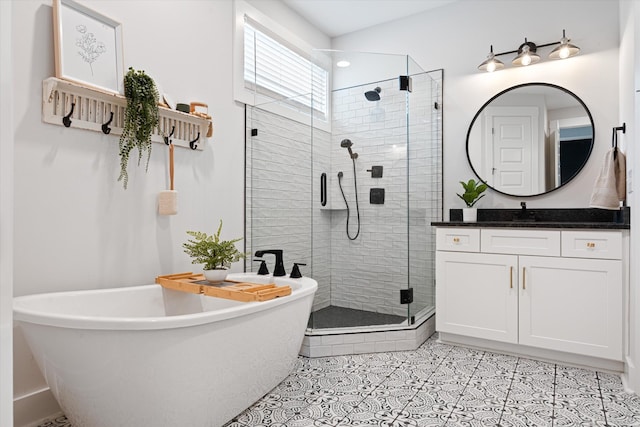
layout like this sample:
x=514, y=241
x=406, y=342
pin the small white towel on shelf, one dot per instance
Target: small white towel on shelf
x=611, y=185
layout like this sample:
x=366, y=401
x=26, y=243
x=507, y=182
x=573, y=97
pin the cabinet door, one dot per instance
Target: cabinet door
x=477, y=295
x=572, y=305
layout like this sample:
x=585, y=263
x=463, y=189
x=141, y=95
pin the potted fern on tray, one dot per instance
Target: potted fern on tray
x=216, y=254
x=472, y=193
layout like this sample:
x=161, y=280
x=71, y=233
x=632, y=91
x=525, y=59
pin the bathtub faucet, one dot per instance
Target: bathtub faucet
x=279, y=269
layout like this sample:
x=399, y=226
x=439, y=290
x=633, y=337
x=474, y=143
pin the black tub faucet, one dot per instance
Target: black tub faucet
x=279, y=269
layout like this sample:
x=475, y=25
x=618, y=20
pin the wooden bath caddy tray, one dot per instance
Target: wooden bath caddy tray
x=229, y=289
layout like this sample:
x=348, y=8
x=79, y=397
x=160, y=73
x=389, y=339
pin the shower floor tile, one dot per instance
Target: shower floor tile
x=438, y=385
x=342, y=317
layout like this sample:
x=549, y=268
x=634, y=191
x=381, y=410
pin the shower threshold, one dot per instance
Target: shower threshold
x=384, y=337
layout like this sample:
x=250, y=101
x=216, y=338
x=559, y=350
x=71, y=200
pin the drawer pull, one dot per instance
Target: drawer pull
x=524, y=286
x=456, y=240
x=511, y=277
x=591, y=245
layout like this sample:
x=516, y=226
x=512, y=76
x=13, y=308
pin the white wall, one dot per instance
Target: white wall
x=75, y=227
x=457, y=37
x=6, y=218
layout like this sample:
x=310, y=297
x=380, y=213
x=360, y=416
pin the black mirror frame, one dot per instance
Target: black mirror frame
x=517, y=87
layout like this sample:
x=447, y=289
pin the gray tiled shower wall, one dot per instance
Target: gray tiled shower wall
x=396, y=242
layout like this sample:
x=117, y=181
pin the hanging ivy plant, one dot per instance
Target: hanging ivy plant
x=140, y=119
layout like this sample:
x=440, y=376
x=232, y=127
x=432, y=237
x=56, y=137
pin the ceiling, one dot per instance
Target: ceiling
x=338, y=17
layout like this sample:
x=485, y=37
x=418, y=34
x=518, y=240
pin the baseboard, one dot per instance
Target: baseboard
x=551, y=356
x=31, y=409
x=630, y=373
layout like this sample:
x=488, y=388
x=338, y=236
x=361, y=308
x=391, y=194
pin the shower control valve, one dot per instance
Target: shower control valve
x=376, y=171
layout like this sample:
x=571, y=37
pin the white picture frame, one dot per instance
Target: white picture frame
x=88, y=47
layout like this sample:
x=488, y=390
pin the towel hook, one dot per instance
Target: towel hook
x=105, y=127
x=614, y=138
x=166, y=138
x=66, y=120
x=193, y=144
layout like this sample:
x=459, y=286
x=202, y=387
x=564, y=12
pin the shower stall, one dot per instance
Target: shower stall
x=350, y=195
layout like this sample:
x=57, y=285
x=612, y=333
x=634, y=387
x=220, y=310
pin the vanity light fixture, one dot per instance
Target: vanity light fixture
x=491, y=63
x=527, y=54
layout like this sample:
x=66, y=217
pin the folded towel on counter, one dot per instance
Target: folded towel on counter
x=611, y=185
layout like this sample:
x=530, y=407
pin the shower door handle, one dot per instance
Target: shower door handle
x=323, y=189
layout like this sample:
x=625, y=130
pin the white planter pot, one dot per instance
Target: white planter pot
x=215, y=276
x=470, y=215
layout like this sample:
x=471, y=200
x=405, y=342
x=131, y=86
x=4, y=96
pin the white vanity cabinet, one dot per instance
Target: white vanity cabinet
x=558, y=289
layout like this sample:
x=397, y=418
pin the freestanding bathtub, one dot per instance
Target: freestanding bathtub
x=147, y=356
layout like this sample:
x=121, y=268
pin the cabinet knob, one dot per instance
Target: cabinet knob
x=456, y=240
x=591, y=245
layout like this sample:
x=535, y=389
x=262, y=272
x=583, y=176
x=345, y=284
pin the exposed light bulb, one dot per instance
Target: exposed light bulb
x=564, y=52
x=491, y=66
x=526, y=59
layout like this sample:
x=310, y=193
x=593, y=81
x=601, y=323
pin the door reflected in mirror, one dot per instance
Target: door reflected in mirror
x=530, y=139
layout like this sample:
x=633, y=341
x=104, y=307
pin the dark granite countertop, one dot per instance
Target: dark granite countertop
x=588, y=218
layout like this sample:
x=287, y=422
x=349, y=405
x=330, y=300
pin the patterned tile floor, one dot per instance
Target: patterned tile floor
x=439, y=385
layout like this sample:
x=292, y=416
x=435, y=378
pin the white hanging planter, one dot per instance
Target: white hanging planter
x=469, y=215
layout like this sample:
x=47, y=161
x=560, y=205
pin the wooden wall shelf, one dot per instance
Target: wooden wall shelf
x=92, y=109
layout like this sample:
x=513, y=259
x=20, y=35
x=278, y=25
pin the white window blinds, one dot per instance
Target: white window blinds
x=272, y=69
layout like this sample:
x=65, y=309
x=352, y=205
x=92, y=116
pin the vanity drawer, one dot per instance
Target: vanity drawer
x=458, y=239
x=592, y=244
x=520, y=241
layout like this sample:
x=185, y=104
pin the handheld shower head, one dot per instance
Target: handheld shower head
x=346, y=143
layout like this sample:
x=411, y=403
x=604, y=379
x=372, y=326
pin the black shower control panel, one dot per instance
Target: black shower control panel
x=376, y=196
x=376, y=171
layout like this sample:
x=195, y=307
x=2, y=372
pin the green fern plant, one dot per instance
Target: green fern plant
x=472, y=192
x=211, y=251
x=140, y=119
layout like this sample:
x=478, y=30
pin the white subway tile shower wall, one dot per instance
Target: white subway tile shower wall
x=368, y=273
x=278, y=176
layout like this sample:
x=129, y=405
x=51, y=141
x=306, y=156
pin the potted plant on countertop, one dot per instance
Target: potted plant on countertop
x=216, y=255
x=472, y=193
x=140, y=119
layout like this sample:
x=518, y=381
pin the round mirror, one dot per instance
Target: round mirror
x=530, y=139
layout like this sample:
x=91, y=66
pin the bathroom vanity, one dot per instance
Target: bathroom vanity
x=550, y=284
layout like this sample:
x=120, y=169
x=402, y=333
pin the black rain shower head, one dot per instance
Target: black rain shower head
x=373, y=95
x=346, y=143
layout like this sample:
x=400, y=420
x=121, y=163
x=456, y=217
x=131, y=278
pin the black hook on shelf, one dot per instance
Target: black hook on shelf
x=192, y=144
x=66, y=120
x=166, y=138
x=105, y=126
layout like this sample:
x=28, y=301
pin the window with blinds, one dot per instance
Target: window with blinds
x=276, y=71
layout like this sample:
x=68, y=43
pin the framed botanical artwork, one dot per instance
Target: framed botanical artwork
x=88, y=47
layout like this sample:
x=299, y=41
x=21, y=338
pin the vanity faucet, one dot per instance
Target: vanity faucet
x=279, y=269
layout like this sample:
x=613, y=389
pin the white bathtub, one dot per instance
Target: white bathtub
x=144, y=356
